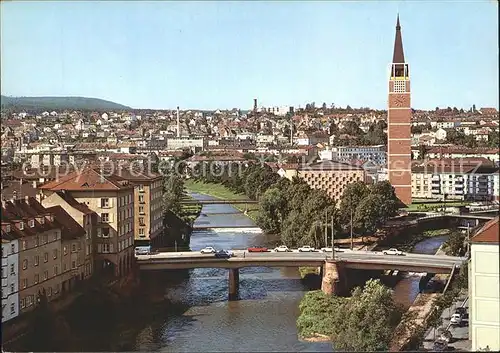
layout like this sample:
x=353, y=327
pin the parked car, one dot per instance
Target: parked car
x=223, y=254
x=282, y=248
x=329, y=249
x=257, y=249
x=456, y=319
x=142, y=250
x=393, y=251
x=208, y=250
x=306, y=248
x=440, y=346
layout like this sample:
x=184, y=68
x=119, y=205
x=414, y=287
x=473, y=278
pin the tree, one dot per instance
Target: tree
x=366, y=321
x=323, y=106
x=352, y=196
x=390, y=203
x=369, y=215
x=173, y=192
x=272, y=211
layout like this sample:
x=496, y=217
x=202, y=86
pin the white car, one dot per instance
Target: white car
x=392, y=251
x=456, y=319
x=328, y=249
x=208, y=250
x=282, y=248
x=307, y=248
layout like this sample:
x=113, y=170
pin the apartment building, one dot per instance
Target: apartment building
x=10, y=273
x=455, y=181
x=84, y=216
x=148, y=205
x=111, y=197
x=376, y=154
x=46, y=244
x=484, y=285
x=332, y=177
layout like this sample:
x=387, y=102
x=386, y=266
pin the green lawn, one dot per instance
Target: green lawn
x=430, y=205
x=221, y=192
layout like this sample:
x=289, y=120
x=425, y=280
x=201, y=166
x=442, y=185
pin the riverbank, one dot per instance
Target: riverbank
x=221, y=192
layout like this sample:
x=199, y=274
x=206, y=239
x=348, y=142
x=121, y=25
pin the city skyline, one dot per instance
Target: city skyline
x=222, y=55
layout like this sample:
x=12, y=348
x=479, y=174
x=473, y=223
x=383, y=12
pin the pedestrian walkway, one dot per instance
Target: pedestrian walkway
x=460, y=340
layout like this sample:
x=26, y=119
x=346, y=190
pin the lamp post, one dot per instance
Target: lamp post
x=326, y=227
x=333, y=242
x=352, y=240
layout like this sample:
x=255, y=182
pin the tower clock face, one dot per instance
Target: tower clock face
x=399, y=100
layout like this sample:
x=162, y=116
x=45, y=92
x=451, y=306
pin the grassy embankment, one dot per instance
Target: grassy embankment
x=433, y=205
x=189, y=213
x=222, y=192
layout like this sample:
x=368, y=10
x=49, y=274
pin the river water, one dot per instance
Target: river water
x=264, y=319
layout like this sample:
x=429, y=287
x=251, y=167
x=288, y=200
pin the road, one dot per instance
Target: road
x=353, y=257
x=460, y=341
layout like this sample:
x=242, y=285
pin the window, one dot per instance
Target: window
x=141, y=187
x=73, y=264
x=12, y=248
x=56, y=235
x=37, y=278
x=105, y=232
x=73, y=247
x=104, y=217
x=104, y=202
x=12, y=288
x=46, y=257
x=45, y=275
x=55, y=254
x=12, y=269
x=31, y=223
x=25, y=264
x=25, y=282
x=23, y=303
x=29, y=300
x=105, y=248
x=141, y=221
x=21, y=225
x=65, y=250
x=141, y=232
x=12, y=308
x=42, y=220
x=37, y=241
x=56, y=270
x=141, y=209
x=49, y=292
x=37, y=259
x=44, y=239
x=141, y=198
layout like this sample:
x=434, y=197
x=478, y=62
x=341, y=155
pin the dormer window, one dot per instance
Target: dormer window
x=21, y=225
x=31, y=223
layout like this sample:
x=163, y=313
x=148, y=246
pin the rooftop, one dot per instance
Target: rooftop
x=488, y=234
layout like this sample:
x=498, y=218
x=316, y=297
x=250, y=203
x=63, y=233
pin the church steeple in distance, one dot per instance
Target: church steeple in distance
x=398, y=56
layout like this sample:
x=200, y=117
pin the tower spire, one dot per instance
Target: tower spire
x=398, y=57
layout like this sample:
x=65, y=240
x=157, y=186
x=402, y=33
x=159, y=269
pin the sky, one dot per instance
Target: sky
x=218, y=55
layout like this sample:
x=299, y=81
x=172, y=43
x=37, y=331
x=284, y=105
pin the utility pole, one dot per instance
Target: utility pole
x=326, y=227
x=351, y=206
x=468, y=239
x=333, y=242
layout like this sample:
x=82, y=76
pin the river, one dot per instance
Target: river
x=264, y=319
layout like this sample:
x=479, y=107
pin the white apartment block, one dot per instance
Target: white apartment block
x=376, y=154
x=10, y=275
x=484, y=289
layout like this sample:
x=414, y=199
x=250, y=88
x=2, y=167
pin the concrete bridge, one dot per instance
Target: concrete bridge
x=218, y=202
x=333, y=271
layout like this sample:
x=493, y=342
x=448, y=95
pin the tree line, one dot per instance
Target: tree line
x=299, y=213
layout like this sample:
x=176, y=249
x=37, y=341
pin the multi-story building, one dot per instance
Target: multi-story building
x=10, y=273
x=376, y=154
x=84, y=216
x=332, y=177
x=455, y=181
x=148, y=206
x=399, y=115
x=484, y=288
x=47, y=241
x=178, y=143
x=111, y=197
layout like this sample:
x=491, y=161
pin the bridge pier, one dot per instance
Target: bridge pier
x=234, y=283
x=332, y=281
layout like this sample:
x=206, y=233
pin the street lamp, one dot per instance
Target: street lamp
x=333, y=242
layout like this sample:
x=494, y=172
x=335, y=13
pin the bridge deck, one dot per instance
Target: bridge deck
x=218, y=202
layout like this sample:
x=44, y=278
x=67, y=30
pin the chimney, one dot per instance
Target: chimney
x=178, y=124
x=255, y=105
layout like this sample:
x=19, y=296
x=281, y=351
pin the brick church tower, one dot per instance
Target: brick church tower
x=399, y=123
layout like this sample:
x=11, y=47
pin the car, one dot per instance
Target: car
x=462, y=311
x=257, y=249
x=440, y=346
x=327, y=249
x=282, y=248
x=306, y=248
x=456, y=319
x=208, y=250
x=142, y=250
x=392, y=251
x=223, y=254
